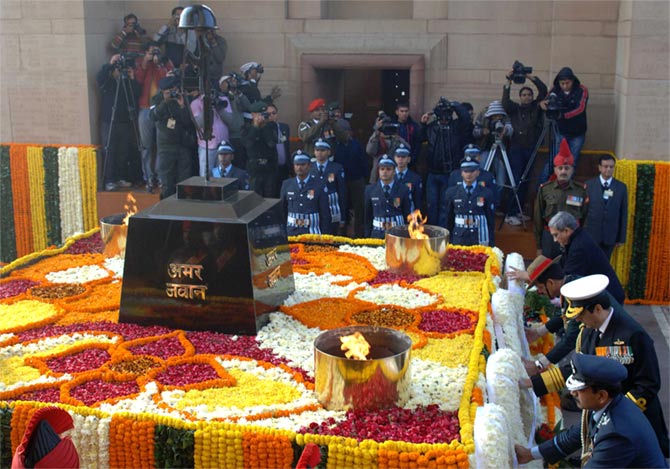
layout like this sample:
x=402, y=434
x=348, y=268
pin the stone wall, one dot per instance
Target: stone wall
x=619, y=49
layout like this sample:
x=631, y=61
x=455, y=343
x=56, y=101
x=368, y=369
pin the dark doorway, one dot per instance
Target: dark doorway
x=362, y=93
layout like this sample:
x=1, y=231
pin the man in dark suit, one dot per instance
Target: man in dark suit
x=283, y=137
x=608, y=211
x=613, y=432
x=608, y=331
x=581, y=255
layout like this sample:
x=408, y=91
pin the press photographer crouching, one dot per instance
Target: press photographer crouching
x=119, y=93
x=383, y=141
x=446, y=130
x=173, y=135
x=526, y=118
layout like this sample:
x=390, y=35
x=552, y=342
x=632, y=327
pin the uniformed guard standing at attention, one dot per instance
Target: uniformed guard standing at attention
x=613, y=432
x=387, y=203
x=225, y=169
x=470, y=208
x=406, y=176
x=561, y=195
x=305, y=200
x=331, y=174
x=485, y=178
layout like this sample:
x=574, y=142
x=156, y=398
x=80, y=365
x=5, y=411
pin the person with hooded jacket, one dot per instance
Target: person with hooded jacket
x=572, y=98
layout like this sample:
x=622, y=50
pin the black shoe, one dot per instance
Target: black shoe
x=150, y=188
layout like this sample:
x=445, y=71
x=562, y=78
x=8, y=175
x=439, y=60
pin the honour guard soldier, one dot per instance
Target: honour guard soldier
x=469, y=208
x=305, y=200
x=485, y=178
x=406, y=176
x=225, y=168
x=387, y=203
x=608, y=331
x=561, y=195
x=331, y=174
x=613, y=431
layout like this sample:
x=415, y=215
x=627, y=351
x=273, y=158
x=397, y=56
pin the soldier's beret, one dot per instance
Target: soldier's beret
x=258, y=106
x=316, y=104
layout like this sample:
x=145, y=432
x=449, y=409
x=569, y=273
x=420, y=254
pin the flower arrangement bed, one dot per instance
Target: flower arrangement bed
x=153, y=396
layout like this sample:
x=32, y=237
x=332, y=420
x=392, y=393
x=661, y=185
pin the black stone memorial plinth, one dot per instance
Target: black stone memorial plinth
x=208, y=258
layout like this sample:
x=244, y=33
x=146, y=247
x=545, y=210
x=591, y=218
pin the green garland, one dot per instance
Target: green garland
x=644, y=205
x=51, y=195
x=8, y=233
x=6, y=437
x=174, y=447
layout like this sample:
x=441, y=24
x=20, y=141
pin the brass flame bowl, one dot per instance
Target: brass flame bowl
x=418, y=256
x=114, y=233
x=383, y=380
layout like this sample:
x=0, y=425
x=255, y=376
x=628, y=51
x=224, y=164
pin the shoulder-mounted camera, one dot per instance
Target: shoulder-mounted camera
x=519, y=72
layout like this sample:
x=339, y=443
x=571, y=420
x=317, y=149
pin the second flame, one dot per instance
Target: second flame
x=355, y=346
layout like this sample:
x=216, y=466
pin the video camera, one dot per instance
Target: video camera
x=387, y=127
x=443, y=110
x=554, y=106
x=497, y=127
x=126, y=60
x=139, y=29
x=519, y=72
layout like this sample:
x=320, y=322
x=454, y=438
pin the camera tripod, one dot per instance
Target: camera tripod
x=498, y=149
x=123, y=82
x=549, y=130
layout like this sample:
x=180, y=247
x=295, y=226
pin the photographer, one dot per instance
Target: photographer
x=218, y=47
x=321, y=125
x=571, y=98
x=409, y=130
x=232, y=114
x=119, y=92
x=132, y=36
x=252, y=71
x=219, y=131
x=445, y=134
x=173, y=123
x=526, y=117
x=260, y=141
x=175, y=39
x=383, y=141
x=150, y=69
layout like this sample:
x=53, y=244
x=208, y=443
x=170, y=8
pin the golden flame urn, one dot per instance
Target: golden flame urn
x=382, y=380
x=114, y=232
x=419, y=256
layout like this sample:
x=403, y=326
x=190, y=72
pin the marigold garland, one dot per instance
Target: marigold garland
x=21, y=193
x=657, y=288
x=37, y=208
x=8, y=238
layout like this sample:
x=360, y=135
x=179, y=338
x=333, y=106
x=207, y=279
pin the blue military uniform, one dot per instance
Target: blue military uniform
x=331, y=174
x=469, y=211
x=485, y=178
x=410, y=179
x=616, y=435
x=242, y=182
x=305, y=204
x=385, y=208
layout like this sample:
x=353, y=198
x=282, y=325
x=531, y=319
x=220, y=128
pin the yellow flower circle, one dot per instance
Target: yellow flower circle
x=27, y=314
